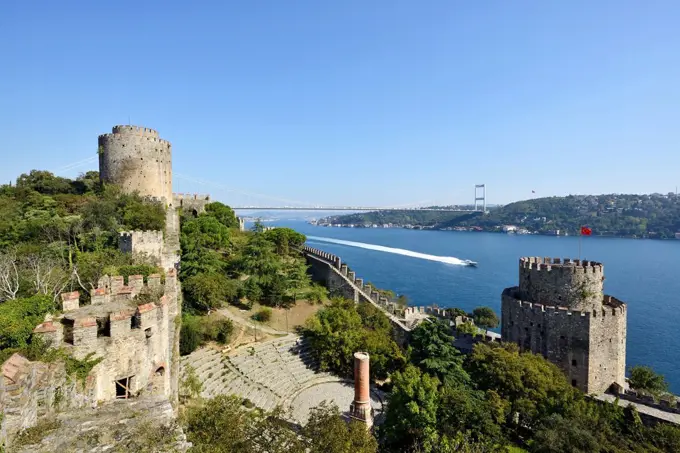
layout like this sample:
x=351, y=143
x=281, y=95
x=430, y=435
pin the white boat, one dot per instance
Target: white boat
x=470, y=263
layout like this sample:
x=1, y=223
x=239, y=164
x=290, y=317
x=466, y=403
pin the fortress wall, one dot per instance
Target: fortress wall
x=149, y=243
x=134, y=342
x=576, y=284
x=559, y=334
x=191, y=202
x=608, y=348
x=327, y=269
x=137, y=160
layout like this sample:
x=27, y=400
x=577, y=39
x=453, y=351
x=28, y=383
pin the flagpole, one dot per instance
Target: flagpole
x=580, y=235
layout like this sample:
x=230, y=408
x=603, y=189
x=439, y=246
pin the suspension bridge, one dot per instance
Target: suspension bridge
x=282, y=204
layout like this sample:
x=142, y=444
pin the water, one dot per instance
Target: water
x=425, y=266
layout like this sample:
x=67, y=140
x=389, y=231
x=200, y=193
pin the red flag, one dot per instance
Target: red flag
x=585, y=231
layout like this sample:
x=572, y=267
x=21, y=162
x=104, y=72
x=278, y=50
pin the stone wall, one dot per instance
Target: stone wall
x=567, y=283
x=32, y=390
x=137, y=160
x=192, y=203
x=340, y=280
x=135, y=342
x=560, y=311
x=149, y=243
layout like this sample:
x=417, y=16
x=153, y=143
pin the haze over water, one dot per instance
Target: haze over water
x=642, y=273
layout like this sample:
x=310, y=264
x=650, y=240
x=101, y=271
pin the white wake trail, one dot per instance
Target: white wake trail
x=380, y=248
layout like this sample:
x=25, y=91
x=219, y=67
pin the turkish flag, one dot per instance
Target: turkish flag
x=585, y=231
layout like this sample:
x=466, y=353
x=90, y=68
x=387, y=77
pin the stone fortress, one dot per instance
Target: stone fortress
x=559, y=310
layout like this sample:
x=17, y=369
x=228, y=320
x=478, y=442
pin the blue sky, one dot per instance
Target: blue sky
x=353, y=102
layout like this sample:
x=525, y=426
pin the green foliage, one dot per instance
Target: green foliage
x=433, y=352
x=223, y=213
x=646, y=379
x=532, y=387
x=224, y=424
x=19, y=317
x=285, y=239
x=218, y=330
x=203, y=292
x=190, y=337
x=411, y=418
x=133, y=269
x=337, y=331
x=485, y=317
x=263, y=315
x=190, y=385
x=80, y=368
x=197, y=330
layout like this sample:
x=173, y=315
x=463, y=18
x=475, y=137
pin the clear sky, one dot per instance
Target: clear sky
x=363, y=102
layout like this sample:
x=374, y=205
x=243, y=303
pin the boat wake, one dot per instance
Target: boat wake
x=380, y=248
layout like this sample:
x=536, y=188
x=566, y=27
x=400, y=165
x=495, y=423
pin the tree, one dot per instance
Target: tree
x=531, y=386
x=208, y=291
x=433, y=352
x=560, y=435
x=9, y=275
x=47, y=274
x=645, y=378
x=485, y=317
x=327, y=432
x=219, y=425
x=411, y=418
x=223, y=213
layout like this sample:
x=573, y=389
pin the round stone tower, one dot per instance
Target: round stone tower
x=137, y=160
x=575, y=284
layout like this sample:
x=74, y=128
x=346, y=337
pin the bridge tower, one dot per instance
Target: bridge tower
x=481, y=198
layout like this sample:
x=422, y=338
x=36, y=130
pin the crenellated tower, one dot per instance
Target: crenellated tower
x=137, y=160
x=559, y=310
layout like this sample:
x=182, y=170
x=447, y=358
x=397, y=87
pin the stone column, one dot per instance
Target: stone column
x=360, y=409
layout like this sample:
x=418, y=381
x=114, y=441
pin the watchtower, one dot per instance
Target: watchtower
x=559, y=310
x=137, y=160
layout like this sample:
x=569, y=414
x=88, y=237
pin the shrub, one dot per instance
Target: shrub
x=263, y=315
x=218, y=329
x=190, y=334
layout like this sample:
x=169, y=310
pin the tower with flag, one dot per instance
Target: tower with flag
x=559, y=310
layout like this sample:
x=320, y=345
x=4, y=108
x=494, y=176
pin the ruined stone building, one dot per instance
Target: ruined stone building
x=559, y=310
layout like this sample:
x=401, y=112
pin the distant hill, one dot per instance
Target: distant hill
x=653, y=216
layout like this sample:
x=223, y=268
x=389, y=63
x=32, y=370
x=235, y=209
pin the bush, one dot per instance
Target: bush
x=218, y=329
x=190, y=337
x=18, y=318
x=264, y=315
x=204, y=292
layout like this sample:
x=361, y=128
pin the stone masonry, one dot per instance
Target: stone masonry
x=559, y=310
x=134, y=341
x=148, y=243
x=137, y=160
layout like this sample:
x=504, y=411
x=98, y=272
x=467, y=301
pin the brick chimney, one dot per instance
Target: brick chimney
x=360, y=409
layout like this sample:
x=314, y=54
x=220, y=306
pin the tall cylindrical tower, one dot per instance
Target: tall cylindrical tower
x=360, y=408
x=137, y=160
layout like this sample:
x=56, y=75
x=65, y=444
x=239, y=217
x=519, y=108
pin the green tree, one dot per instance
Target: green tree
x=485, y=317
x=432, y=350
x=205, y=292
x=411, y=417
x=327, y=432
x=645, y=378
x=223, y=213
x=532, y=387
x=219, y=425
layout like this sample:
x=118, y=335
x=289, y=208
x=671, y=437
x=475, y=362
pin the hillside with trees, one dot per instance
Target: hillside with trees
x=638, y=216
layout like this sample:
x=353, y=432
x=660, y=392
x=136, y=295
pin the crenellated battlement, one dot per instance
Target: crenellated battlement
x=190, y=196
x=577, y=284
x=611, y=306
x=137, y=130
